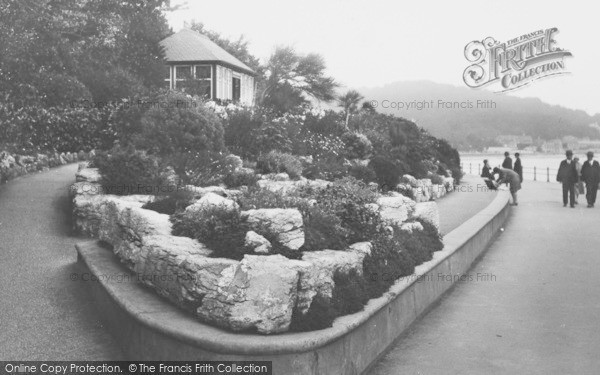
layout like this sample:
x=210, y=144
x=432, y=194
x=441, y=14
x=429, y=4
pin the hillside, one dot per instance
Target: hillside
x=473, y=127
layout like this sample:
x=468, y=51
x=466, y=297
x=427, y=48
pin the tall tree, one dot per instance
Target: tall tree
x=292, y=79
x=52, y=47
x=349, y=102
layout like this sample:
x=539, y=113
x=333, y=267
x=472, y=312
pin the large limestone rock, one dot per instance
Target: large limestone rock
x=259, y=293
x=317, y=268
x=124, y=224
x=87, y=213
x=283, y=225
x=257, y=243
x=395, y=210
x=412, y=227
x=427, y=211
x=212, y=200
x=85, y=188
x=179, y=269
x=409, y=180
x=438, y=191
x=327, y=262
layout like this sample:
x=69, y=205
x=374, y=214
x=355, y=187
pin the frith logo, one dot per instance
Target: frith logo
x=515, y=63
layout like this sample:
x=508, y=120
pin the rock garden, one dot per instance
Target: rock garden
x=261, y=222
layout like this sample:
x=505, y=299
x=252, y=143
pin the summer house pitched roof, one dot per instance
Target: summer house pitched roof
x=188, y=46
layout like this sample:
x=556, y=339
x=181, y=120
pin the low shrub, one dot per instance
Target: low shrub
x=340, y=216
x=319, y=146
x=357, y=145
x=323, y=230
x=387, y=172
x=363, y=173
x=387, y=262
x=350, y=293
x=349, y=296
x=436, y=179
x=329, y=169
x=241, y=177
x=221, y=229
x=320, y=315
x=255, y=198
x=421, y=245
x=279, y=162
x=129, y=171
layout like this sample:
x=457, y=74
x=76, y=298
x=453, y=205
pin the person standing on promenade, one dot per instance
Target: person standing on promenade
x=590, y=174
x=579, y=183
x=518, y=167
x=567, y=175
x=507, y=163
x=511, y=178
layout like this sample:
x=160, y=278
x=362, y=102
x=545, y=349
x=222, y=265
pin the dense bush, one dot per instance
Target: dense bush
x=255, y=198
x=320, y=315
x=357, y=145
x=330, y=168
x=62, y=129
x=179, y=124
x=436, y=179
x=221, y=229
x=387, y=262
x=129, y=171
x=386, y=171
x=330, y=123
x=363, y=173
x=240, y=177
x=239, y=127
x=340, y=216
x=279, y=162
x=319, y=146
x=349, y=296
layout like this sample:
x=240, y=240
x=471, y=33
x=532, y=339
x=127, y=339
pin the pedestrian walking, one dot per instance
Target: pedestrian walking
x=507, y=163
x=567, y=176
x=579, y=183
x=518, y=168
x=590, y=174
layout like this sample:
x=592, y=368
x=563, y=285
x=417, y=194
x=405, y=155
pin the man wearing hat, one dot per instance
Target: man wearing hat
x=568, y=176
x=590, y=174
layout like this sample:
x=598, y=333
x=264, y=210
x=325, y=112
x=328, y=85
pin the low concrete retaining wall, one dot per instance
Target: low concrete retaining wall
x=150, y=328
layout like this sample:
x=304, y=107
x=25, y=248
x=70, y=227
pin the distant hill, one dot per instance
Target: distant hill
x=474, y=127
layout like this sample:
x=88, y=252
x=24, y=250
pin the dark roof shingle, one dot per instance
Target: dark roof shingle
x=188, y=45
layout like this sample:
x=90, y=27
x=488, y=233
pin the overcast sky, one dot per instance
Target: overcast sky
x=371, y=43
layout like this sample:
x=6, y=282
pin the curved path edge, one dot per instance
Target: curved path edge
x=151, y=328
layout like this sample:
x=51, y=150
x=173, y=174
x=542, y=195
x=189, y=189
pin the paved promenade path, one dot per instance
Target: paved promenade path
x=468, y=198
x=539, y=310
x=43, y=314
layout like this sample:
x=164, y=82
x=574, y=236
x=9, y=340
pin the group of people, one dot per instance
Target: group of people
x=571, y=173
x=510, y=174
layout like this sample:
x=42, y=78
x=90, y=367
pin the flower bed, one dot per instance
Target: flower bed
x=14, y=165
x=283, y=254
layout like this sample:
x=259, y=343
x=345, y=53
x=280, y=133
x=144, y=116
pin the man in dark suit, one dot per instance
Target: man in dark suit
x=507, y=163
x=518, y=167
x=568, y=176
x=590, y=174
